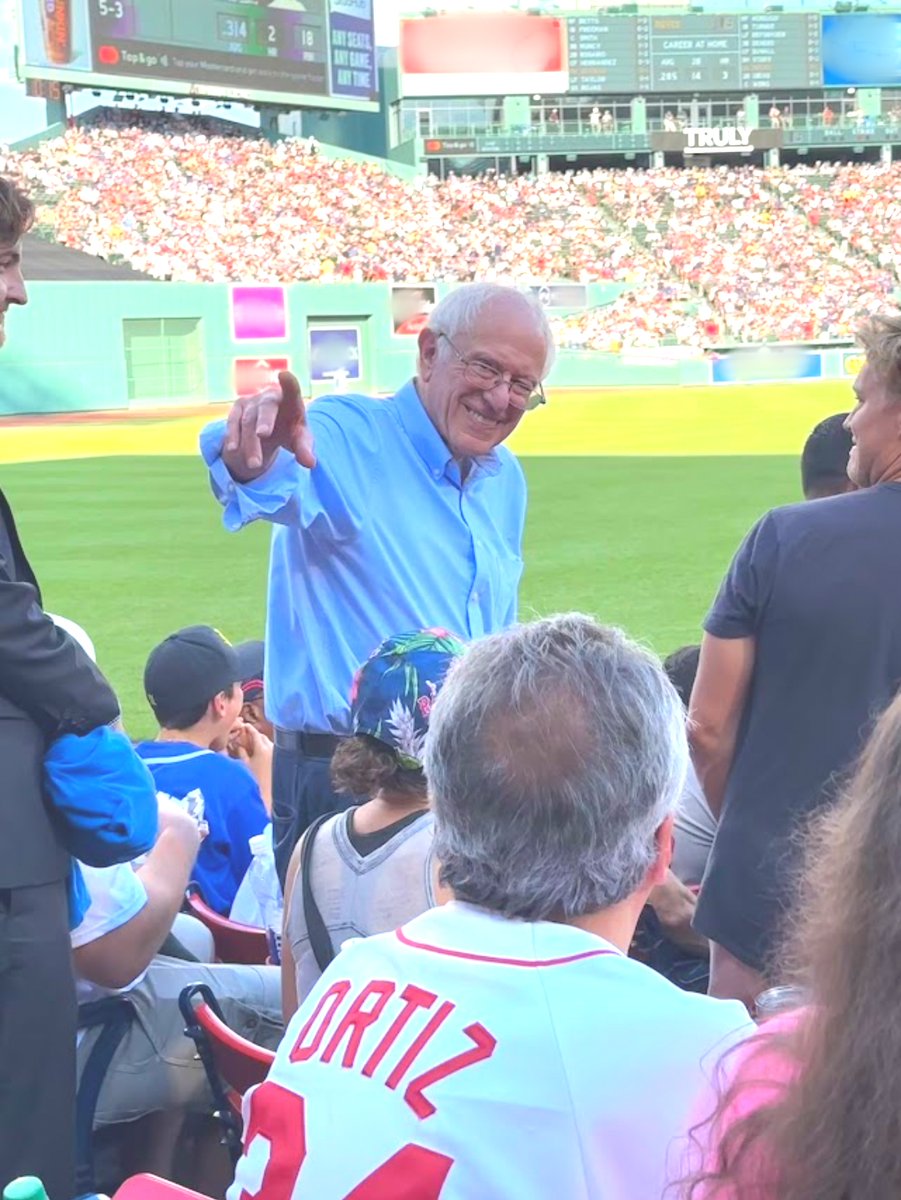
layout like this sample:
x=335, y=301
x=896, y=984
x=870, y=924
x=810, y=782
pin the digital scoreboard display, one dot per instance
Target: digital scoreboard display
x=516, y=53
x=320, y=52
x=694, y=52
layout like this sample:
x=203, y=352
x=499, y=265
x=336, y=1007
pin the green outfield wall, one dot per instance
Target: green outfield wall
x=101, y=346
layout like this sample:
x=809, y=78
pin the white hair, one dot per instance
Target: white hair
x=555, y=752
x=458, y=313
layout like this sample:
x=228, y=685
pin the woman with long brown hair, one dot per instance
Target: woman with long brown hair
x=813, y=1108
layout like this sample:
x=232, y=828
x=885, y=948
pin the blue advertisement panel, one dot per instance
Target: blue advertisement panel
x=862, y=50
x=335, y=355
x=352, y=49
x=766, y=364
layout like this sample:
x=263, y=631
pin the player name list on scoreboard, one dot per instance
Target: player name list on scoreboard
x=696, y=52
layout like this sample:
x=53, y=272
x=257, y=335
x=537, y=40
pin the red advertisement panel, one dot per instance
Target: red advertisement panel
x=482, y=44
x=253, y=374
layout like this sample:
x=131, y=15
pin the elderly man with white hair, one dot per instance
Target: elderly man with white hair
x=405, y=513
x=505, y=1045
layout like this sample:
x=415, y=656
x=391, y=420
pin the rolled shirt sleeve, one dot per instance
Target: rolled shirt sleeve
x=271, y=496
x=330, y=501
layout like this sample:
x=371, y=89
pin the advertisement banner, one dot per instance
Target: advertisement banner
x=335, y=356
x=352, y=50
x=410, y=308
x=483, y=54
x=259, y=313
x=56, y=34
x=451, y=146
x=725, y=139
x=561, y=295
x=251, y=375
x=766, y=364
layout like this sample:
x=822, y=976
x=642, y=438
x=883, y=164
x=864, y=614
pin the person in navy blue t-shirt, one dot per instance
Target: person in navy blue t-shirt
x=192, y=685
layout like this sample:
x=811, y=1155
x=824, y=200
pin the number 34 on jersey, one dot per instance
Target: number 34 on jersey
x=384, y=1034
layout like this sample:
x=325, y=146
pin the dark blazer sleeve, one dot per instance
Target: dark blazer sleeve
x=43, y=671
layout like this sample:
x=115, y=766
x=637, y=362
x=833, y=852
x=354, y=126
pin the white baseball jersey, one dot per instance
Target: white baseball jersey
x=471, y=1057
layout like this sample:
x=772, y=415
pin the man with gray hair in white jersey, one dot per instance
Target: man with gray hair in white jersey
x=505, y=1045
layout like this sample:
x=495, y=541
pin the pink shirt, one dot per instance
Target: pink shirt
x=763, y=1072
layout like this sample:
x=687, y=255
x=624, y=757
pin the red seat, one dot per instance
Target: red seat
x=234, y=943
x=232, y=1063
x=151, y=1187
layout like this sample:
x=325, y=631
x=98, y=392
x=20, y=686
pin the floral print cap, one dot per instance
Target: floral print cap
x=393, y=692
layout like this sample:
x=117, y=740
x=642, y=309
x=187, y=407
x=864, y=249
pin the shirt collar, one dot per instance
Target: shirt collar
x=428, y=442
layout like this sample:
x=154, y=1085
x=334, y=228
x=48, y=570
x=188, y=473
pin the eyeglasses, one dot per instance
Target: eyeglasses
x=524, y=394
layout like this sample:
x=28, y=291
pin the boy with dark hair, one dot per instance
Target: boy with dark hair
x=192, y=685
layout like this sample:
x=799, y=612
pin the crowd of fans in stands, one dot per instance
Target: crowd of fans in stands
x=708, y=255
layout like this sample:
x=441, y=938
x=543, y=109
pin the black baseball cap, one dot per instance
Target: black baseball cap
x=250, y=661
x=188, y=669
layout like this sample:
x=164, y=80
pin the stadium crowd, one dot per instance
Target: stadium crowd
x=708, y=255
x=491, y=907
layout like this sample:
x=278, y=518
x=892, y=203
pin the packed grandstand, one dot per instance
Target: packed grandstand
x=707, y=255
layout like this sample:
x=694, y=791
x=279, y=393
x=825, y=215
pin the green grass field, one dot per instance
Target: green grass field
x=132, y=548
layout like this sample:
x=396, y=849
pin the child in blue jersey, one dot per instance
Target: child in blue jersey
x=192, y=685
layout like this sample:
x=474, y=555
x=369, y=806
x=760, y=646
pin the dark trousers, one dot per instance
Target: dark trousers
x=301, y=791
x=37, y=1039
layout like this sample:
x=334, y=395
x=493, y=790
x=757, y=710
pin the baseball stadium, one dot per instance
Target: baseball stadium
x=449, y=457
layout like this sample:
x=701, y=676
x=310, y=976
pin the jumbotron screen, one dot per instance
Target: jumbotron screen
x=300, y=52
x=480, y=53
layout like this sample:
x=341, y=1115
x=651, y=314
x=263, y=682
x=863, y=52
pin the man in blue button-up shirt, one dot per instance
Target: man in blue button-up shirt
x=390, y=515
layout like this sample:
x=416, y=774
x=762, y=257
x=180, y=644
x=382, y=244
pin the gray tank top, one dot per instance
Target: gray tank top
x=359, y=896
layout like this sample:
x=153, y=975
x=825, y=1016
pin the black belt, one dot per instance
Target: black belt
x=316, y=745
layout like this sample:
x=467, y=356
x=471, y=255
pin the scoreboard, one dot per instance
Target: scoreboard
x=593, y=53
x=694, y=52
x=288, y=51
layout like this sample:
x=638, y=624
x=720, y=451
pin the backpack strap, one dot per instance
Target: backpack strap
x=320, y=942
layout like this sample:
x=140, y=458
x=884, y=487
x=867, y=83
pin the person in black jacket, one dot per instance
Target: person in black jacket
x=48, y=687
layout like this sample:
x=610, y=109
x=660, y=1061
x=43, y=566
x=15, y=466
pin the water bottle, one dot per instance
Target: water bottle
x=263, y=879
x=29, y=1187
x=776, y=1001
x=26, y=1187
